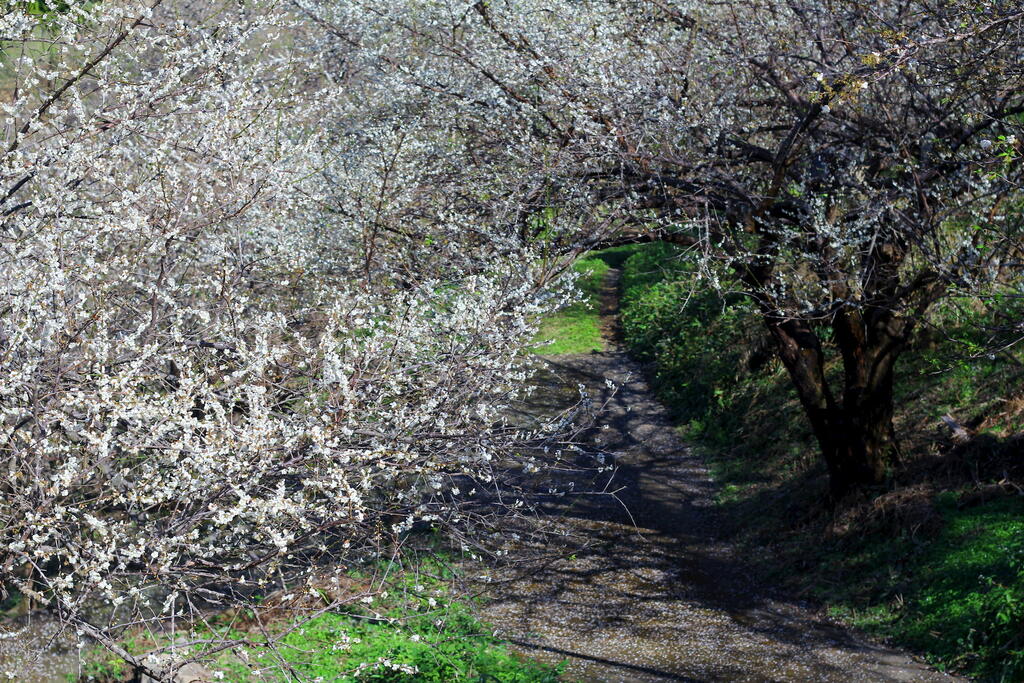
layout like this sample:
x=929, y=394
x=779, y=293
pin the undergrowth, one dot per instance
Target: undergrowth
x=957, y=594
x=412, y=630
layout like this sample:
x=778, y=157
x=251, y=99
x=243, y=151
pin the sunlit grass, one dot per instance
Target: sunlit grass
x=576, y=328
x=417, y=630
x=959, y=594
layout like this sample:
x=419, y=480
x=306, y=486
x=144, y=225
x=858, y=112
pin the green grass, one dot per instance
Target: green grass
x=576, y=328
x=416, y=632
x=615, y=257
x=957, y=595
x=915, y=562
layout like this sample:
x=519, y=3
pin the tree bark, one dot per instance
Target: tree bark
x=856, y=433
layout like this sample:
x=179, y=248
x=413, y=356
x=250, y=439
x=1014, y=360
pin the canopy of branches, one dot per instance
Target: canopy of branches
x=267, y=269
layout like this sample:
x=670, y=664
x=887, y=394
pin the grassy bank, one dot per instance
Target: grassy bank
x=576, y=328
x=408, y=628
x=934, y=560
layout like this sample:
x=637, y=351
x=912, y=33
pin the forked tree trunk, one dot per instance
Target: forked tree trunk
x=857, y=441
x=855, y=434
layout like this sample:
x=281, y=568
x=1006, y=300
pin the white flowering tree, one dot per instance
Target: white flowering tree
x=848, y=165
x=267, y=268
x=235, y=347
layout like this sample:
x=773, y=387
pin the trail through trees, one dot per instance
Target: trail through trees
x=644, y=588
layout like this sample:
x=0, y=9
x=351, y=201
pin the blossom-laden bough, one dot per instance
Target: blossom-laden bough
x=268, y=267
x=236, y=352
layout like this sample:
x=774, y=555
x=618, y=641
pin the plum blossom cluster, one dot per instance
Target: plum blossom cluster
x=844, y=167
x=233, y=343
x=267, y=269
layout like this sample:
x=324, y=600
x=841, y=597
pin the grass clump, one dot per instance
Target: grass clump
x=957, y=595
x=351, y=647
x=412, y=631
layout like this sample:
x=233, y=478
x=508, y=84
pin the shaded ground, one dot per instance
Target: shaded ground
x=642, y=587
x=33, y=649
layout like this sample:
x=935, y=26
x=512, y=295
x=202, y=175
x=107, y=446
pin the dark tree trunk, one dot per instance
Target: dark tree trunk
x=857, y=440
x=855, y=431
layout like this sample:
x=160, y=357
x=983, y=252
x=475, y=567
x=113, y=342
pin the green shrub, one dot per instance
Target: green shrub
x=615, y=257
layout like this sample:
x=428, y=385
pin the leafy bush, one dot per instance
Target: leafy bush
x=615, y=257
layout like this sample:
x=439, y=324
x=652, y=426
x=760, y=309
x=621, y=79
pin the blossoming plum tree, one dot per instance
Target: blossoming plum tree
x=268, y=268
x=848, y=165
x=230, y=346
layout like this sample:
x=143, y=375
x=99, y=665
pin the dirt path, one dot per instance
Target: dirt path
x=643, y=588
